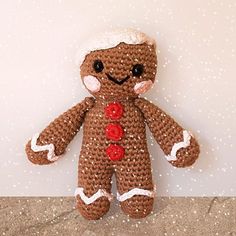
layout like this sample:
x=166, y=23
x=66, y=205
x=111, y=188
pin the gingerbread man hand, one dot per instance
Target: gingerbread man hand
x=180, y=147
x=46, y=147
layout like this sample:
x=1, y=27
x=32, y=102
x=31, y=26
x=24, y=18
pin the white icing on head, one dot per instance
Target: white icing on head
x=111, y=39
x=142, y=87
x=92, y=83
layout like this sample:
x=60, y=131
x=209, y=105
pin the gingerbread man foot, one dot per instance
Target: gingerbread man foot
x=94, y=206
x=137, y=206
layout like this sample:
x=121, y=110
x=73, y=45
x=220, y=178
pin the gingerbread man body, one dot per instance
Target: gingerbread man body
x=116, y=70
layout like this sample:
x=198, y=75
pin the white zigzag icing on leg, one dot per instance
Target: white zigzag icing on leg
x=134, y=191
x=49, y=147
x=177, y=146
x=88, y=200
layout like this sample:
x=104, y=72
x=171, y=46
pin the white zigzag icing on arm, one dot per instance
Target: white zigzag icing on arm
x=134, y=191
x=88, y=200
x=49, y=147
x=177, y=146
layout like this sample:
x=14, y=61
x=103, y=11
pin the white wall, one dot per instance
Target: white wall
x=196, y=84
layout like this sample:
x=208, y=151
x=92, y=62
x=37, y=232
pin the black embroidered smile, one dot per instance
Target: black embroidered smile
x=117, y=81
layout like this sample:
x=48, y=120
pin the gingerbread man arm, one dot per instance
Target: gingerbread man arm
x=180, y=147
x=44, y=148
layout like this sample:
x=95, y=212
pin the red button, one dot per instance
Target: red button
x=115, y=152
x=114, y=110
x=114, y=132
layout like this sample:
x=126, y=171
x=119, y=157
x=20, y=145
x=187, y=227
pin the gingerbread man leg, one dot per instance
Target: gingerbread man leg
x=93, y=194
x=135, y=186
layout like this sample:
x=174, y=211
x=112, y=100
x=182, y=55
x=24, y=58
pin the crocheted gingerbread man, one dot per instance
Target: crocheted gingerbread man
x=116, y=68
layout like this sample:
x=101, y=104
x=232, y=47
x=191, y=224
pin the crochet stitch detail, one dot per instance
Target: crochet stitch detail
x=134, y=191
x=177, y=146
x=88, y=200
x=49, y=147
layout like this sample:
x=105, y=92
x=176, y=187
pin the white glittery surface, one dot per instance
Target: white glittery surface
x=196, y=43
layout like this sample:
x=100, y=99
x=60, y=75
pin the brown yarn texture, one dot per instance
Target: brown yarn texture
x=134, y=169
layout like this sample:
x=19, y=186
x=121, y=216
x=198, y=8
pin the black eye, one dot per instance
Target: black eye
x=98, y=66
x=137, y=70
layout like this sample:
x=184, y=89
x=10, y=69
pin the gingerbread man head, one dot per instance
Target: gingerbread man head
x=119, y=64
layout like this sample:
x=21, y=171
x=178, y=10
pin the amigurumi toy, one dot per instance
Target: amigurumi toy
x=115, y=68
